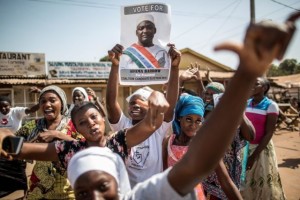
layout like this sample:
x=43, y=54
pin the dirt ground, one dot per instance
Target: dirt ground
x=287, y=145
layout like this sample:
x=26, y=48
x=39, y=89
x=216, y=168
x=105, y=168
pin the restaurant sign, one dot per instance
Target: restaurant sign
x=22, y=64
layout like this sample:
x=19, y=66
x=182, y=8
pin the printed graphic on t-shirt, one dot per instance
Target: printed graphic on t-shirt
x=4, y=121
x=139, y=157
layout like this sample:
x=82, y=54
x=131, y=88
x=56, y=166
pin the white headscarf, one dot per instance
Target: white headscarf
x=102, y=159
x=83, y=91
x=144, y=92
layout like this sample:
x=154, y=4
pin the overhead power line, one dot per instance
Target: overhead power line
x=203, y=21
x=285, y=5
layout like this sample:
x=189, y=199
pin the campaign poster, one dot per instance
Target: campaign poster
x=145, y=33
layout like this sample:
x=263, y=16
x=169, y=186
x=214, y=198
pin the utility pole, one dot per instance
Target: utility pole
x=252, y=11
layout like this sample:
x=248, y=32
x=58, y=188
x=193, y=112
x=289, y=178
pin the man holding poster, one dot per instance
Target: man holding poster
x=145, y=59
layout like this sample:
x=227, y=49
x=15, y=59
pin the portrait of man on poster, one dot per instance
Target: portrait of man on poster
x=144, y=53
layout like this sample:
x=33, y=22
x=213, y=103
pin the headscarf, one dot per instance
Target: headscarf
x=102, y=159
x=41, y=124
x=216, y=87
x=187, y=105
x=144, y=92
x=61, y=94
x=83, y=91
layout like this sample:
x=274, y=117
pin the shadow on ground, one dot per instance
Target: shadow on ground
x=292, y=163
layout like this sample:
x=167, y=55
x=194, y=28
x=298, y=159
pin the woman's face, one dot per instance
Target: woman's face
x=4, y=107
x=208, y=95
x=90, y=124
x=96, y=185
x=138, y=108
x=78, y=97
x=190, y=124
x=50, y=105
x=259, y=87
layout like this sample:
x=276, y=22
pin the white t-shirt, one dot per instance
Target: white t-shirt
x=13, y=120
x=157, y=188
x=145, y=159
x=158, y=52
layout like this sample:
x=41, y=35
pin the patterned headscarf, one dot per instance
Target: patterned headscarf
x=187, y=105
x=83, y=91
x=61, y=94
x=216, y=87
x=41, y=124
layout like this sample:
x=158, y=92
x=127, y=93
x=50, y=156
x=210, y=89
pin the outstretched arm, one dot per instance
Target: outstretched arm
x=30, y=151
x=113, y=108
x=173, y=88
x=261, y=45
x=32, y=109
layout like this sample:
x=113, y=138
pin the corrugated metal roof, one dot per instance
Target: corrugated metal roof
x=42, y=81
x=215, y=74
x=287, y=81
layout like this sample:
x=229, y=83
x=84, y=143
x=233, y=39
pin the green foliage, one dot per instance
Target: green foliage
x=286, y=67
x=104, y=59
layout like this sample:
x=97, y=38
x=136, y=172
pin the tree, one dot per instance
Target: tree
x=287, y=67
x=104, y=59
x=273, y=71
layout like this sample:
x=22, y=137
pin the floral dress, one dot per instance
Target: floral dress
x=233, y=162
x=115, y=142
x=48, y=179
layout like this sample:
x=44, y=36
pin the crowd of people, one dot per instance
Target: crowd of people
x=212, y=144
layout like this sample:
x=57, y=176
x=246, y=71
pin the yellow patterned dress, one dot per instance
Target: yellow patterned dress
x=48, y=179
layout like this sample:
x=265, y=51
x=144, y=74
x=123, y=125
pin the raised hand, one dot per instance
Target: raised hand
x=115, y=53
x=4, y=132
x=91, y=92
x=158, y=106
x=192, y=72
x=34, y=89
x=175, y=55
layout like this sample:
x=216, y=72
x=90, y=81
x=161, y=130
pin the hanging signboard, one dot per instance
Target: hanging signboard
x=79, y=70
x=22, y=64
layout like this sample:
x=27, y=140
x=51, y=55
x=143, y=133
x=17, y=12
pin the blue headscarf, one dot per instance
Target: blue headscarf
x=187, y=105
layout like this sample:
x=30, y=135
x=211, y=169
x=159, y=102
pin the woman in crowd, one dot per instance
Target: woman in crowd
x=226, y=178
x=144, y=159
x=12, y=173
x=178, y=182
x=262, y=177
x=89, y=121
x=48, y=179
x=189, y=112
x=214, y=185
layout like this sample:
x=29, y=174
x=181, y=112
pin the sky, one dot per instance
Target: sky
x=84, y=30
